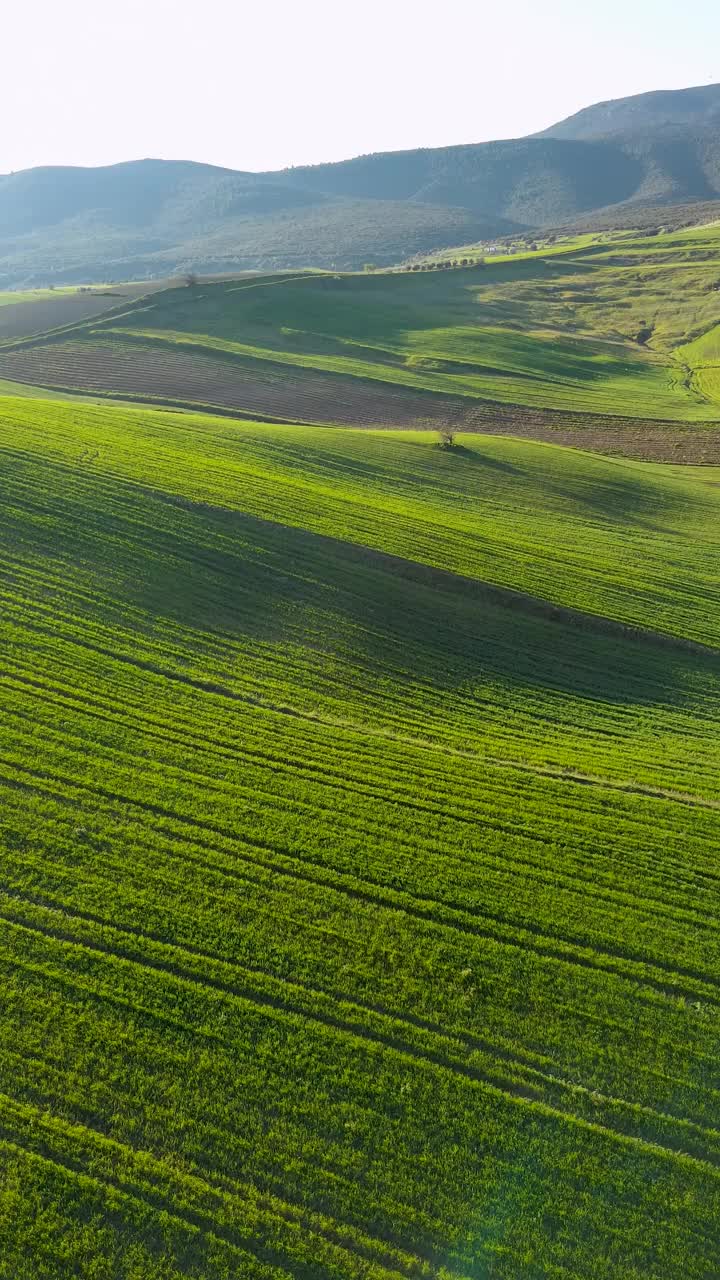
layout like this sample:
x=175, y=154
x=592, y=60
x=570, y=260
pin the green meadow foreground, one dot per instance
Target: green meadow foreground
x=360, y=839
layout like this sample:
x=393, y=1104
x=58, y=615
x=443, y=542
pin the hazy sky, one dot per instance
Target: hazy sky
x=277, y=82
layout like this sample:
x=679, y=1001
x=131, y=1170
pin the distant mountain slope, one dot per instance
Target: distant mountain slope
x=643, y=113
x=155, y=217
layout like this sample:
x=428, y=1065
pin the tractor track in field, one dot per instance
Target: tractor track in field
x=282, y=997
x=201, y=1220
x=281, y=861
x=522, y=1058
x=559, y=773
x=535, y=869
x=152, y=1180
x=637, y=968
x=348, y=901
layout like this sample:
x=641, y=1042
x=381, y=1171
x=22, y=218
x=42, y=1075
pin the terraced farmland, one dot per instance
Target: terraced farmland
x=360, y=835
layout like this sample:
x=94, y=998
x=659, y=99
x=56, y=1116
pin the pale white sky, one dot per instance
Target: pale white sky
x=278, y=82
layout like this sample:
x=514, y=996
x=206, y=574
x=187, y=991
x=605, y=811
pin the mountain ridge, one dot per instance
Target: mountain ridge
x=153, y=217
x=699, y=104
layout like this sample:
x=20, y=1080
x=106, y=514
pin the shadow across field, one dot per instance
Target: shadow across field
x=482, y=461
x=151, y=565
x=622, y=501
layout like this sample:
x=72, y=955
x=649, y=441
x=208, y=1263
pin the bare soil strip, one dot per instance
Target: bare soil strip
x=202, y=382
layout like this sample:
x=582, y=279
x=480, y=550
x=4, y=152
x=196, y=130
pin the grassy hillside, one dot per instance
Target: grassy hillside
x=596, y=326
x=153, y=218
x=620, y=285
x=359, y=892
x=703, y=357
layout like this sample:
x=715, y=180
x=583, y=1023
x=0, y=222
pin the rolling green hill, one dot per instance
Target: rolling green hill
x=154, y=218
x=360, y=838
x=592, y=337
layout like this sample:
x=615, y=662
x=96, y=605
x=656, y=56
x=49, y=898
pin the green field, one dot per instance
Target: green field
x=29, y=392
x=129, y=289
x=360, y=841
x=11, y=297
x=601, y=326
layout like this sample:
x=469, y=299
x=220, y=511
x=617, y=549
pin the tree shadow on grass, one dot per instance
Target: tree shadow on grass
x=474, y=458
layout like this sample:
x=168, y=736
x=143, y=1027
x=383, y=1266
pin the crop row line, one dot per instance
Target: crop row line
x=659, y=976
x=524, y=1062
x=517, y=1090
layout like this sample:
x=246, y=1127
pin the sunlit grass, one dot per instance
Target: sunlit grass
x=359, y=839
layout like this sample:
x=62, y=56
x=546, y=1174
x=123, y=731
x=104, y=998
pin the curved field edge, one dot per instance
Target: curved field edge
x=205, y=383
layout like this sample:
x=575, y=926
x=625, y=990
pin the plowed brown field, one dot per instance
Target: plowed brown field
x=263, y=390
x=38, y=315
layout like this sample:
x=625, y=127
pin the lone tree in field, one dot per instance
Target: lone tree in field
x=447, y=432
x=449, y=428
x=190, y=278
